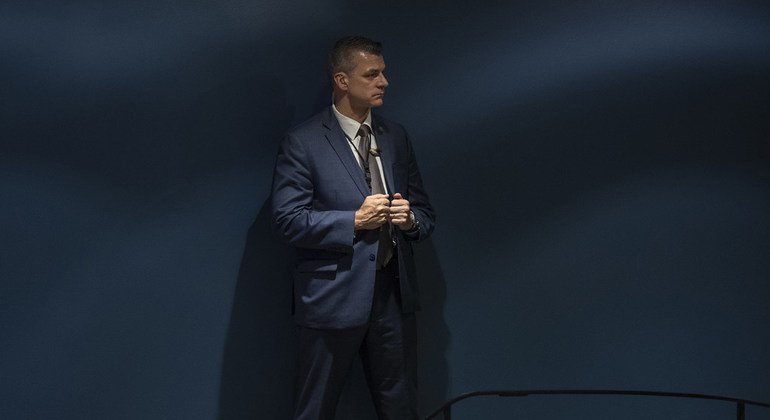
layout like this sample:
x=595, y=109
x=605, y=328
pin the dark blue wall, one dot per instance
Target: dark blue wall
x=601, y=174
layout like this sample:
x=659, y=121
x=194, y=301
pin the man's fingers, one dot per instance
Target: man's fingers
x=381, y=209
x=399, y=200
x=378, y=199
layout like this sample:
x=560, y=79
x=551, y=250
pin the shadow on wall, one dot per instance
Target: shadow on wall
x=260, y=348
x=261, y=345
x=432, y=330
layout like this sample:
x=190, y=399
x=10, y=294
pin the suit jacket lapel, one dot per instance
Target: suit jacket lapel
x=387, y=154
x=339, y=142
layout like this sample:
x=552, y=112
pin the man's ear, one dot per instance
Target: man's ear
x=341, y=81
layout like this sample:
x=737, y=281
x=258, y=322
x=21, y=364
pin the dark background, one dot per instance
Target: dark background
x=600, y=171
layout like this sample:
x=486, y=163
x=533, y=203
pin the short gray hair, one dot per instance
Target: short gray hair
x=341, y=55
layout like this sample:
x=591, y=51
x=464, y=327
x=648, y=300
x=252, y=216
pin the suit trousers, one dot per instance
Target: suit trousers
x=387, y=346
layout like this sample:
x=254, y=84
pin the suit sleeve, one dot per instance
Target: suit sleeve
x=293, y=216
x=418, y=199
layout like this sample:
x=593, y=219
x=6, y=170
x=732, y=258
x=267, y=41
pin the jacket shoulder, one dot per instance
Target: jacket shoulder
x=312, y=125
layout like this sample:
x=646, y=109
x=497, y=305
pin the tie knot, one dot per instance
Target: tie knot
x=364, y=131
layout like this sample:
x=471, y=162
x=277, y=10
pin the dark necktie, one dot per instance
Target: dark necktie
x=374, y=179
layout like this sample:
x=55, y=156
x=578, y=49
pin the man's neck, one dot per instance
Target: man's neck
x=345, y=109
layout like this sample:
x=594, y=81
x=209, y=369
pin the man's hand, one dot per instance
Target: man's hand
x=373, y=213
x=399, y=212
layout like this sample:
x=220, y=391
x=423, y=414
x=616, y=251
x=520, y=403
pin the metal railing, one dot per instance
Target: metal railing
x=740, y=404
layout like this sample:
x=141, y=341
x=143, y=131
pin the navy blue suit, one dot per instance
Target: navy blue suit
x=317, y=187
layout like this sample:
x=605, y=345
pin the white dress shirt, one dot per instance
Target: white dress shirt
x=350, y=127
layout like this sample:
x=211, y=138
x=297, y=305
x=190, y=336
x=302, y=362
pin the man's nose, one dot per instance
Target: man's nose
x=383, y=82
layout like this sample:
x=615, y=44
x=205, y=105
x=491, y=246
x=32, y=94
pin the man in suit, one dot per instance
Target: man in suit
x=348, y=195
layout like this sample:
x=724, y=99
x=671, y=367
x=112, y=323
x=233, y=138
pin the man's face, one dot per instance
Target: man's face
x=366, y=83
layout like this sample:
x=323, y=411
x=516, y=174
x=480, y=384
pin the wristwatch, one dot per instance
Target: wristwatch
x=415, y=223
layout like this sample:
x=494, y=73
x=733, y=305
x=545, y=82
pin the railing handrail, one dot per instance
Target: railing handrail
x=741, y=403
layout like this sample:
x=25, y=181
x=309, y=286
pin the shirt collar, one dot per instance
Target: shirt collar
x=350, y=126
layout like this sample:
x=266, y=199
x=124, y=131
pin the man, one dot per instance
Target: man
x=347, y=194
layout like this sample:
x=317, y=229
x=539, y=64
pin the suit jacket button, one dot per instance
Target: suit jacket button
x=372, y=257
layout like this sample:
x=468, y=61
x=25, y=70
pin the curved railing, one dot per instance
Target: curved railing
x=740, y=404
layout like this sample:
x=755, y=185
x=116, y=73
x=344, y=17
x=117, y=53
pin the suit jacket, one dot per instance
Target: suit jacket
x=317, y=187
